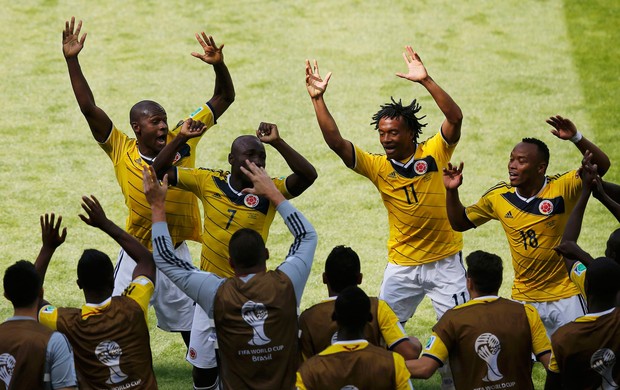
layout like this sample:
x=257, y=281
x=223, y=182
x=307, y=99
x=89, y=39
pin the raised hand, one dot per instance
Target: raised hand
x=212, y=54
x=51, y=235
x=563, y=128
x=154, y=190
x=267, y=132
x=192, y=128
x=453, y=176
x=96, y=216
x=416, y=69
x=72, y=44
x=314, y=83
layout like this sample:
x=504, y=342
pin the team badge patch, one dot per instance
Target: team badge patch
x=177, y=157
x=545, y=207
x=420, y=167
x=580, y=269
x=48, y=309
x=251, y=200
x=193, y=114
x=430, y=343
x=192, y=353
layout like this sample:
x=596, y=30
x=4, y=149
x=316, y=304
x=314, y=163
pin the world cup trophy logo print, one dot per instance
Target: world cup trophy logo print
x=603, y=362
x=255, y=315
x=487, y=347
x=109, y=353
x=7, y=366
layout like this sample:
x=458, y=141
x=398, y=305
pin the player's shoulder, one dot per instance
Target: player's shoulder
x=568, y=175
x=498, y=189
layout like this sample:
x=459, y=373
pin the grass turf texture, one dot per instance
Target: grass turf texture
x=509, y=65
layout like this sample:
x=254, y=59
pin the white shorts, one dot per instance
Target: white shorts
x=557, y=313
x=444, y=282
x=202, y=341
x=173, y=308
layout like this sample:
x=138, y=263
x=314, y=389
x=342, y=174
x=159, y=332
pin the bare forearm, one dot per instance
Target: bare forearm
x=573, y=226
x=454, y=116
x=456, y=212
x=305, y=173
x=610, y=204
x=331, y=133
x=598, y=156
x=166, y=156
x=43, y=260
x=224, y=90
x=130, y=244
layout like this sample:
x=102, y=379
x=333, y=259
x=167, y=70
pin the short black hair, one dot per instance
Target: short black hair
x=247, y=248
x=95, y=271
x=408, y=113
x=542, y=147
x=602, y=278
x=342, y=268
x=613, y=246
x=352, y=309
x=486, y=271
x=142, y=108
x=22, y=284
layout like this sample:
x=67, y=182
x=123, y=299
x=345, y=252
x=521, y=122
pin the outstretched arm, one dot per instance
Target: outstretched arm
x=224, y=91
x=52, y=237
x=565, y=129
x=299, y=260
x=609, y=195
x=316, y=87
x=451, y=126
x=165, y=158
x=97, y=218
x=72, y=44
x=303, y=174
x=452, y=180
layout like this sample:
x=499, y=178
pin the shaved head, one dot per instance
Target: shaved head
x=144, y=108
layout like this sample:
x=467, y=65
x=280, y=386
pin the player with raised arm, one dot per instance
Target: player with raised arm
x=351, y=362
x=318, y=329
x=424, y=253
x=255, y=311
x=489, y=340
x=533, y=209
x=106, y=327
x=226, y=210
x=149, y=123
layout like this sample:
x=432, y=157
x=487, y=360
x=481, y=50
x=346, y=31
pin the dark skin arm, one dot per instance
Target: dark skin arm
x=564, y=129
x=553, y=381
x=163, y=162
x=602, y=191
x=72, y=44
x=422, y=368
x=303, y=174
x=408, y=349
x=452, y=180
x=52, y=237
x=96, y=218
x=224, y=90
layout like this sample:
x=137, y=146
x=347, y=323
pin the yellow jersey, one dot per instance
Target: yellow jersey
x=415, y=198
x=225, y=211
x=182, y=209
x=533, y=228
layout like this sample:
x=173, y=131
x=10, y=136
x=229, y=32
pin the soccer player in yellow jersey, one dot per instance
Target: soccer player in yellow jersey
x=106, y=327
x=227, y=210
x=489, y=340
x=533, y=209
x=150, y=125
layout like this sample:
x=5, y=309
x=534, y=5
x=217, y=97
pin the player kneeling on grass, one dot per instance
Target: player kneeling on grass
x=489, y=340
x=109, y=335
x=351, y=362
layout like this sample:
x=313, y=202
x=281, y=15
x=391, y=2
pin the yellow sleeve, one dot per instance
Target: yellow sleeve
x=115, y=145
x=299, y=382
x=553, y=364
x=540, y=341
x=48, y=316
x=189, y=179
x=435, y=348
x=280, y=183
x=578, y=276
x=140, y=290
x=365, y=163
x=403, y=377
x=391, y=329
x=439, y=148
x=203, y=114
x=482, y=211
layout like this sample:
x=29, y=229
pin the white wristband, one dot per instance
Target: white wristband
x=577, y=137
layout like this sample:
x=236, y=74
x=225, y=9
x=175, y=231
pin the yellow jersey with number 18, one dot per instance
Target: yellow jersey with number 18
x=533, y=227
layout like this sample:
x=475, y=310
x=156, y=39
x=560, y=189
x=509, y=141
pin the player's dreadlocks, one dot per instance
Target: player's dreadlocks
x=395, y=110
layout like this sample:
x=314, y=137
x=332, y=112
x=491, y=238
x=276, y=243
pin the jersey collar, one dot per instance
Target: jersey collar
x=528, y=200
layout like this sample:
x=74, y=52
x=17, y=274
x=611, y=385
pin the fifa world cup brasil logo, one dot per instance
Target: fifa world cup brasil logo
x=603, y=362
x=488, y=347
x=7, y=366
x=109, y=353
x=255, y=315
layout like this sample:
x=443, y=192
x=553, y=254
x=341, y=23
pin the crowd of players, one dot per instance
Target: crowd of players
x=240, y=320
